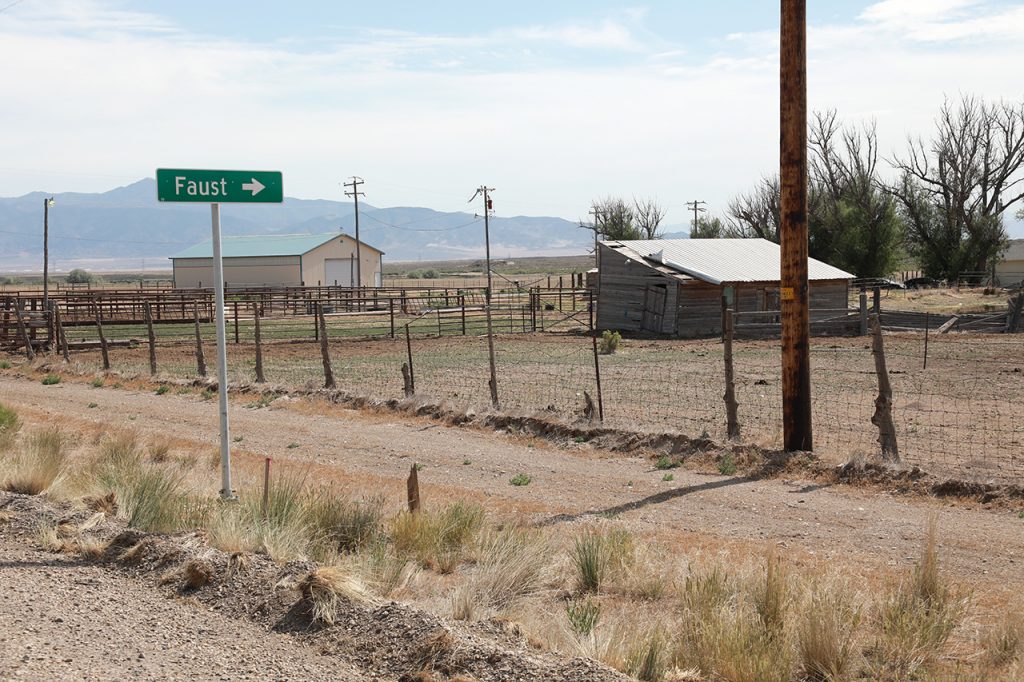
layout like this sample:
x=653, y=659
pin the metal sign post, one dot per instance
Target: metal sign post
x=226, y=493
x=216, y=187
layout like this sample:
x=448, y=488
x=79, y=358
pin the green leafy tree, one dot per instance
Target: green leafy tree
x=709, y=228
x=613, y=219
x=80, y=276
x=853, y=223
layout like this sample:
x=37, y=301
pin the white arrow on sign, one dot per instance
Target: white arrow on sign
x=255, y=186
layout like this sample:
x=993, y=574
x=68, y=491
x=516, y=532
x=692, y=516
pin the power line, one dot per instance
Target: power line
x=474, y=221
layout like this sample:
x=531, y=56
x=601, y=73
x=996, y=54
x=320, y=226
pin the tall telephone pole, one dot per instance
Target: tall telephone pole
x=47, y=203
x=354, y=183
x=793, y=291
x=695, y=207
x=488, y=206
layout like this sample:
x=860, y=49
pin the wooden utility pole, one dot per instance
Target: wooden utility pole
x=793, y=292
x=493, y=381
x=354, y=183
x=47, y=203
x=695, y=207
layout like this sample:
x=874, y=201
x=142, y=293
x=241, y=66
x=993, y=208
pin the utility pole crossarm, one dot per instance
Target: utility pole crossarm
x=695, y=206
x=354, y=183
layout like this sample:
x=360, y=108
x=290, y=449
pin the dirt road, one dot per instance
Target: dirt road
x=863, y=529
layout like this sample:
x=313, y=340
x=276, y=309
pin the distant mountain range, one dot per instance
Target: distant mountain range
x=127, y=228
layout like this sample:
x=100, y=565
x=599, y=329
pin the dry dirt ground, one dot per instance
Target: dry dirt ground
x=866, y=531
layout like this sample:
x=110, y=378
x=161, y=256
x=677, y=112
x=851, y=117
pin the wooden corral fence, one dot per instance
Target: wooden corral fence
x=854, y=321
x=368, y=312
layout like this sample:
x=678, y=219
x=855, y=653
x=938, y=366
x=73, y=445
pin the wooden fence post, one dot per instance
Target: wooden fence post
x=391, y=314
x=863, y=312
x=882, y=418
x=103, y=339
x=412, y=488
x=407, y=389
x=731, y=406
x=236, y=322
x=147, y=311
x=324, y=350
x=30, y=352
x=412, y=375
x=200, y=357
x=927, y=324
x=462, y=304
x=62, y=337
x=259, y=343
x=1013, y=318
x=597, y=368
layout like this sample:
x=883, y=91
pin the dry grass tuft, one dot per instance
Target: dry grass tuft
x=916, y=617
x=438, y=540
x=598, y=554
x=37, y=465
x=106, y=504
x=9, y=426
x=239, y=562
x=197, y=573
x=136, y=553
x=438, y=652
x=827, y=631
x=327, y=589
x=6, y=515
x=1003, y=643
x=159, y=451
x=509, y=565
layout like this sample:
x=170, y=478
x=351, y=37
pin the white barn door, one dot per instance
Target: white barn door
x=339, y=270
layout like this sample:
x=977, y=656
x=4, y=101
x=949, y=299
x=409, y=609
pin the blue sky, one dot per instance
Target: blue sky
x=552, y=103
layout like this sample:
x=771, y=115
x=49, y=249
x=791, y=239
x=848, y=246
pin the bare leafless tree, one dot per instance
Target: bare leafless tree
x=757, y=214
x=955, y=188
x=647, y=217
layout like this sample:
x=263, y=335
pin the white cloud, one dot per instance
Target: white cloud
x=945, y=20
x=608, y=35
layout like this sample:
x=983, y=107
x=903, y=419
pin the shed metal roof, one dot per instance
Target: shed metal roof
x=724, y=260
x=262, y=245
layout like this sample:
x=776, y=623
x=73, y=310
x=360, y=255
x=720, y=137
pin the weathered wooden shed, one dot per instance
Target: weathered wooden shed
x=677, y=286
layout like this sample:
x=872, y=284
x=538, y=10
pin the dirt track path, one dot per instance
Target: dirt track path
x=112, y=627
x=865, y=530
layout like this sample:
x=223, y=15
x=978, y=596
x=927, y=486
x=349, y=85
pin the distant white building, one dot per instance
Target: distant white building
x=281, y=260
x=1010, y=270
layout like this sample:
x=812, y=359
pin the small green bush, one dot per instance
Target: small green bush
x=668, y=477
x=163, y=389
x=51, y=379
x=665, y=462
x=609, y=341
x=726, y=465
x=520, y=480
x=4, y=364
x=97, y=382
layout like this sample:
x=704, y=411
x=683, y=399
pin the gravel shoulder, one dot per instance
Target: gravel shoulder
x=68, y=620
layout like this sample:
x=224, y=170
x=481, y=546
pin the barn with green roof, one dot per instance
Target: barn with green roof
x=281, y=260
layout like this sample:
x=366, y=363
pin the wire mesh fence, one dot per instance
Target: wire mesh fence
x=957, y=397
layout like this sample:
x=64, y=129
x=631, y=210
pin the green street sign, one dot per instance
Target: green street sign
x=219, y=186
